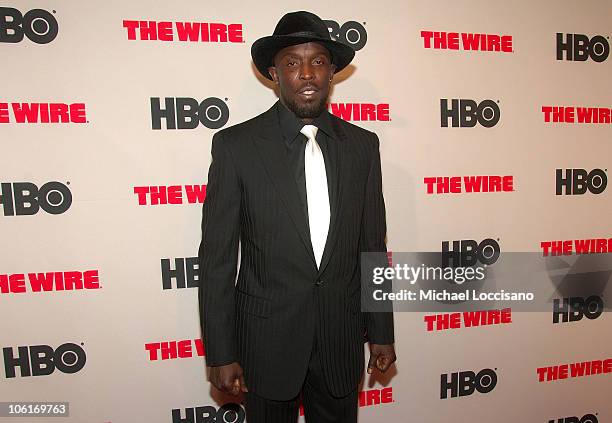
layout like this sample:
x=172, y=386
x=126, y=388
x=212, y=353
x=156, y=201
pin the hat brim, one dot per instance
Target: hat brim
x=264, y=49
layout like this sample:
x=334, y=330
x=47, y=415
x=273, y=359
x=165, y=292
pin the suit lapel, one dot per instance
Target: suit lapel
x=273, y=153
x=336, y=152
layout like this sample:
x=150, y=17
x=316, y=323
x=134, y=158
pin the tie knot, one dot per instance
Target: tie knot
x=310, y=131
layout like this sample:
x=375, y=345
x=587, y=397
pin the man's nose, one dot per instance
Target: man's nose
x=306, y=71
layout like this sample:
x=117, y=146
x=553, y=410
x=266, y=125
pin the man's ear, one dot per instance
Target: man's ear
x=333, y=71
x=273, y=74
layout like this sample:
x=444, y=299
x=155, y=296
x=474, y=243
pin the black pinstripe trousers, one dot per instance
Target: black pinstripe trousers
x=319, y=405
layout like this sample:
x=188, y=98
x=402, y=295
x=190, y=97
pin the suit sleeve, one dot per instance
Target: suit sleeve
x=218, y=256
x=379, y=325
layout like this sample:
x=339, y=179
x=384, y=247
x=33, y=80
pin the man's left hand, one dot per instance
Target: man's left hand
x=381, y=357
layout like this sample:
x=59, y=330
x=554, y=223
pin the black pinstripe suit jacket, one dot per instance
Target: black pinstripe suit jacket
x=268, y=318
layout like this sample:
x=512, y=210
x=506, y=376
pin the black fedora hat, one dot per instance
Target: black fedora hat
x=297, y=28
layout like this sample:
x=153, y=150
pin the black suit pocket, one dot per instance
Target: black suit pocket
x=251, y=304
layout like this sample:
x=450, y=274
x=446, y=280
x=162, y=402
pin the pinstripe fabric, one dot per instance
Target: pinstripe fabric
x=319, y=405
x=262, y=410
x=267, y=321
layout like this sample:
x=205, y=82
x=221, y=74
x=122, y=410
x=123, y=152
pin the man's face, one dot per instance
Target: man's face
x=303, y=73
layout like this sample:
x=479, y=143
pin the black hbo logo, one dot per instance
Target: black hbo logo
x=587, y=418
x=350, y=33
x=38, y=25
x=466, y=113
x=465, y=383
x=579, y=47
x=188, y=113
x=468, y=252
x=579, y=181
x=25, y=198
x=228, y=413
x=43, y=360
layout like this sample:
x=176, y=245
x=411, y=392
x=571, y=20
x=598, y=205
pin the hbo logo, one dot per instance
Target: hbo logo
x=42, y=360
x=351, y=33
x=229, y=413
x=467, y=113
x=578, y=47
x=25, y=198
x=579, y=181
x=465, y=383
x=38, y=25
x=587, y=418
x=468, y=252
x=187, y=113
x=575, y=308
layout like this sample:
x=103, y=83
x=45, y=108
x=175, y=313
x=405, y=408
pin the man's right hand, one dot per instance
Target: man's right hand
x=228, y=378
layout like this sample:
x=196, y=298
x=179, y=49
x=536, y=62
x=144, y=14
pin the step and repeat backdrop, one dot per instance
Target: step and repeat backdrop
x=495, y=128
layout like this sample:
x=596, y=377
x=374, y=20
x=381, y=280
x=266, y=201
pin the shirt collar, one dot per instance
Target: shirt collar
x=291, y=125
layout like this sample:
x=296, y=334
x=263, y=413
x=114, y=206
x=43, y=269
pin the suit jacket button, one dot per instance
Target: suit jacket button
x=319, y=283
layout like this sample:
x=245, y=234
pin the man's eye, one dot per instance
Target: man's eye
x=318, y=61
x=291, y=63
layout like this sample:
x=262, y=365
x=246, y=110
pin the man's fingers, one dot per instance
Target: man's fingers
x=383, y=362
x=228, y=385
x=231, y=387
x=216, y=380
x=228, y=378
x=372, y=362
x=235, y=387
x=243, y=386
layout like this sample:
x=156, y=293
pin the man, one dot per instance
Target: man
x=301, y=190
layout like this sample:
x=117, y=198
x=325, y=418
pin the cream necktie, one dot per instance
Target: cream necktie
x=316, y=192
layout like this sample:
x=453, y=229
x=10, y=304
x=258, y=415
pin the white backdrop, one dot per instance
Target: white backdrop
x=101, y=162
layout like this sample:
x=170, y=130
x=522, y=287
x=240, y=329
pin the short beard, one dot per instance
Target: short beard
x=308, y=111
